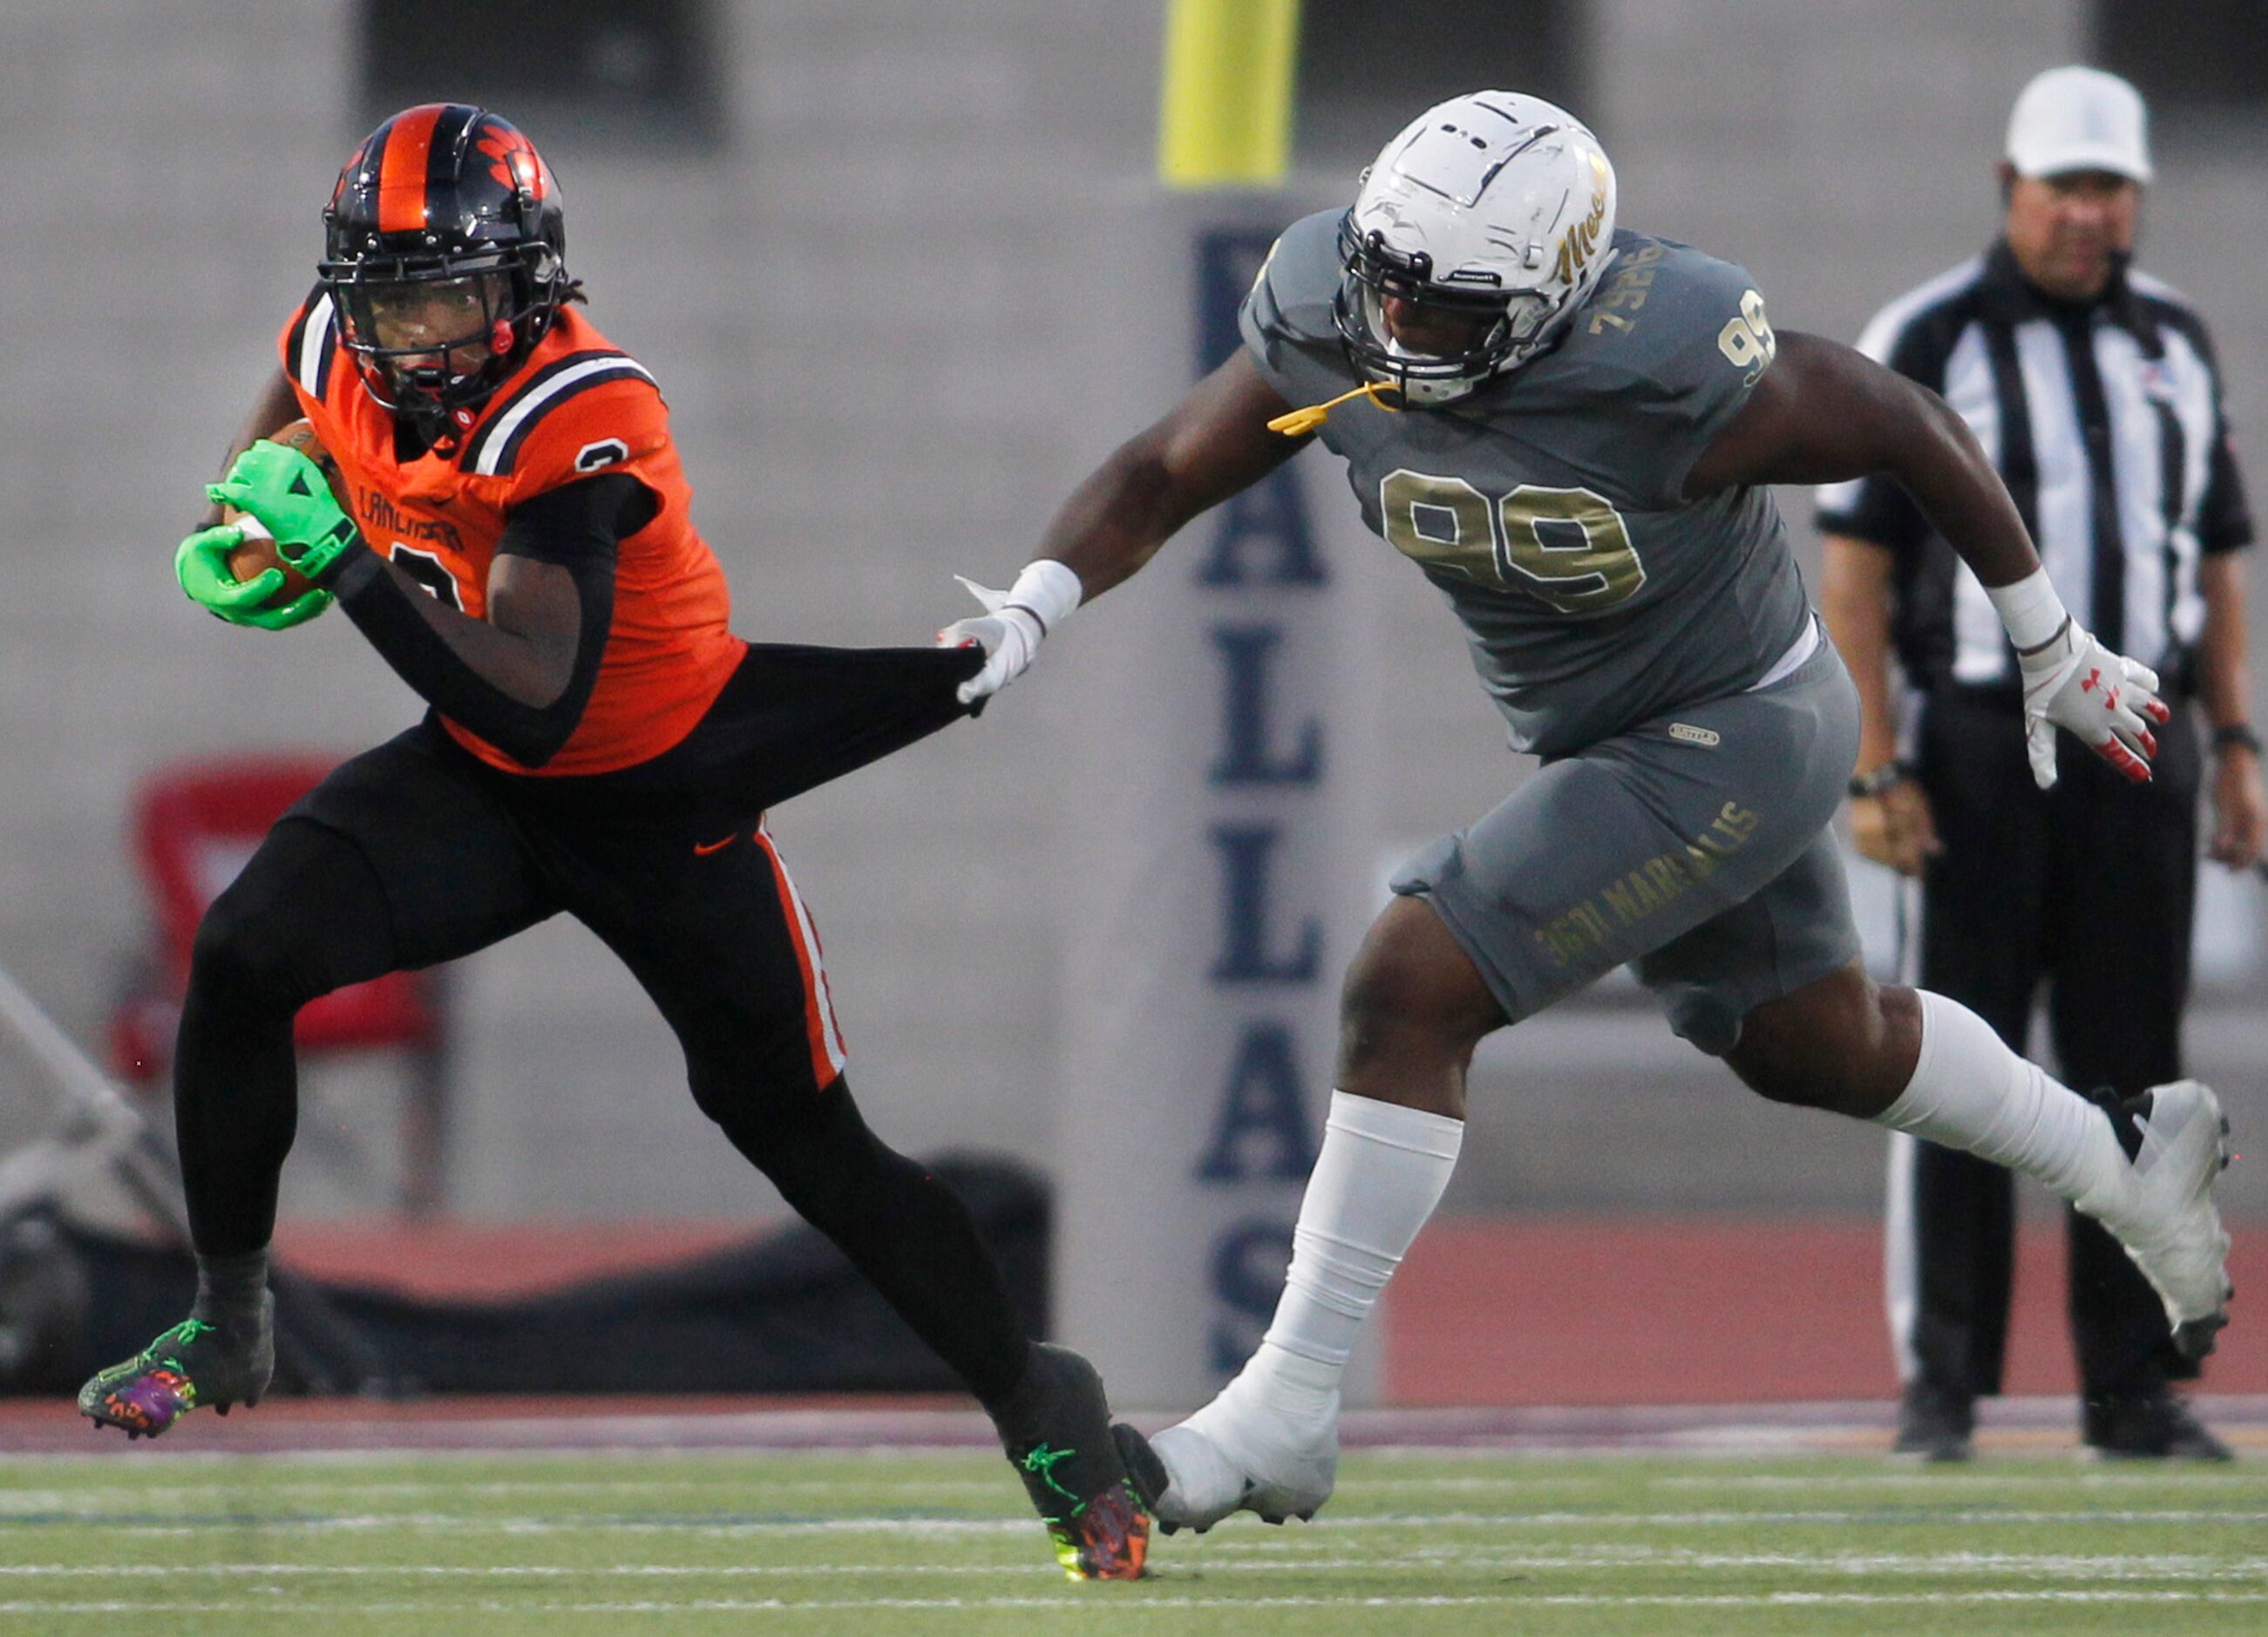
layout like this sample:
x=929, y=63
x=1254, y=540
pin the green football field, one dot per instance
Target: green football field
x=902, y=1543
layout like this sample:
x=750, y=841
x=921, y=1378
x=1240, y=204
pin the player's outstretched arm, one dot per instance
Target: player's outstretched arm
x=1822, y=413
x=1213, y=444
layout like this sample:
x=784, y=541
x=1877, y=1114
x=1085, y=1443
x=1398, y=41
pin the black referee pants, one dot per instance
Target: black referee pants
x=2089, y=891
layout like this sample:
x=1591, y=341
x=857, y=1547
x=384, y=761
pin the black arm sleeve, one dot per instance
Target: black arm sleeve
x=577, y=527
x=2224, y=520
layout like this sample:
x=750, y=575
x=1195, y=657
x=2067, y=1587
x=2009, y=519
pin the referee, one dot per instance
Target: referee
x=2094, y=388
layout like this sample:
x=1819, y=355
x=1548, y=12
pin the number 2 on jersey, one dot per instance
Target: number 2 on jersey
x=428, y=570
x=1583, y=562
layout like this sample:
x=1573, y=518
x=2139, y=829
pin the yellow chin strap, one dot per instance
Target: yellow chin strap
x=1299, y=423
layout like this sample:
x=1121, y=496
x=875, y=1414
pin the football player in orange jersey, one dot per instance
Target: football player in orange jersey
x=519, y=548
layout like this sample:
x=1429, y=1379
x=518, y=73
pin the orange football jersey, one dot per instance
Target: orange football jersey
x=576, y=406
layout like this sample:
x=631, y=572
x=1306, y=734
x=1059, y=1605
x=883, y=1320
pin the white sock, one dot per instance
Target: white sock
x=1970, y=1092
x=1379, y=1174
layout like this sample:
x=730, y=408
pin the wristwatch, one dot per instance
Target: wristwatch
x=1874, y=782
x=2237, y=735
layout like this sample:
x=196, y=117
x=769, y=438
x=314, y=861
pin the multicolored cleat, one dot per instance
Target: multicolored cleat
x=192, y=1365
x=1074, y=1473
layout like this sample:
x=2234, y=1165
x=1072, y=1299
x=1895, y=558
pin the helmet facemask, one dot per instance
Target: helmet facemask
x=1433, y=341
x=435, y=335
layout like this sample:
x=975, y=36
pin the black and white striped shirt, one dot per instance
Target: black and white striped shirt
x=2105, y=422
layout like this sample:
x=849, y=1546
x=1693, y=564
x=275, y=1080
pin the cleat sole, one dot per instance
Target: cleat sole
x=2198, y=1338
x=1143, y=1468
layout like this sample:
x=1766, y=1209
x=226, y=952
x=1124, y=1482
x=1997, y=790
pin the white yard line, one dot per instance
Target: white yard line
x=596, y=1425
x=2062, y=1566
x=1942, y=1481
x=1125, y=1607
x=694, y=1523
x=203, y=1495
x=112, y=1498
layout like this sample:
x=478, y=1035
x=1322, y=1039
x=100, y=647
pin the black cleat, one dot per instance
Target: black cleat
x=1058, y=1436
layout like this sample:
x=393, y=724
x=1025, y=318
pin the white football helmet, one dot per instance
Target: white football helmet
x=1480, y=228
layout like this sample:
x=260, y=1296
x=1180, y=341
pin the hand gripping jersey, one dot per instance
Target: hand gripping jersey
x=576, y=407
x=1546, y=506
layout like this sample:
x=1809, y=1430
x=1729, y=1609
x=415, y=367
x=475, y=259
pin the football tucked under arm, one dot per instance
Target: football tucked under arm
x=256, y=553
x=233, y=568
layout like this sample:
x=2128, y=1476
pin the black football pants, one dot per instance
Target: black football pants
x=415, y=853
x=2089, y=889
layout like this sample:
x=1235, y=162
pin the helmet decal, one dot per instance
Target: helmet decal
x=514, y=160
x=1582, y=240
x=353, y=168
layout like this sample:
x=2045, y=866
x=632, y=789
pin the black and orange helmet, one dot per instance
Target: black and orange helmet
x=446, y=192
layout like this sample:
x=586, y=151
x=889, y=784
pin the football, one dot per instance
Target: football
x=258, y=551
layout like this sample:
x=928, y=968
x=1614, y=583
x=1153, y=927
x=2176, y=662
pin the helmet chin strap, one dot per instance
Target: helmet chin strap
x=1299, y=423
x=421, y=396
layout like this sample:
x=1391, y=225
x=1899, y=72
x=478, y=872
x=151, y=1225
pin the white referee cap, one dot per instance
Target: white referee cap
x=2079, y=119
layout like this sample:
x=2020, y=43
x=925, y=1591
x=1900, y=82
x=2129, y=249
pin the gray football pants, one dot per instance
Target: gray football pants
x=1694, y=847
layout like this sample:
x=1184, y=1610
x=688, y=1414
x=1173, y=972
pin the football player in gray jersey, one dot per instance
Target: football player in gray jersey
x=1570, y=430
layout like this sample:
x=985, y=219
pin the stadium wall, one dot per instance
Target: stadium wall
x=866, y=308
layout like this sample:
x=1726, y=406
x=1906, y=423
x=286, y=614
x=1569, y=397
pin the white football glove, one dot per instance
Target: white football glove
x=2077, y=684
x=1013, y=621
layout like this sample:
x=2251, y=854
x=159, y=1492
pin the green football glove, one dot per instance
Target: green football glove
x=297, y=612
x=287, y=493
x=202, y=566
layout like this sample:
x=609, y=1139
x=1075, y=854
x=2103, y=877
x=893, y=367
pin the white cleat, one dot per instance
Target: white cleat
x=1233, y=1457
x=2168, y=1221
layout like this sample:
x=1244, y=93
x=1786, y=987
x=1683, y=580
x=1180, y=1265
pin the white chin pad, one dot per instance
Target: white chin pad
x=1437, y=391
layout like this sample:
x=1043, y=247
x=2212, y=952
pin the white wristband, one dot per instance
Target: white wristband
x=2029, y=608
x=1048, y=591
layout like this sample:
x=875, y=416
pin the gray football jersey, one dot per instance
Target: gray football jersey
x=1546, y=506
